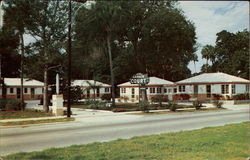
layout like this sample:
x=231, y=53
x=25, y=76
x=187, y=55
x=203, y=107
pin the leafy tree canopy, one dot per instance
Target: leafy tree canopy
x=230, y=54
x=150, y=37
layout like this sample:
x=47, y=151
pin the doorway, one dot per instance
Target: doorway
x=208, y=89
x=18, y=93
x=32, y=93
x=196, y=91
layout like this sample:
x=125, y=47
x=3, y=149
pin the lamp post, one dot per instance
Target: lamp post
x=69, y=54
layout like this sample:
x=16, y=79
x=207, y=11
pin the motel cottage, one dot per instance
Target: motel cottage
x=89, y=86
x=208, y=85
x=156, y=87
x=32, y=89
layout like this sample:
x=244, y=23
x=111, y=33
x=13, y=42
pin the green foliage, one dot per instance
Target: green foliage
x=241, y=96
x=197, y=104
x=13, y=104
x=216, y=96
x=231, y=50
x=106, y=97
x=2, y=104
x=217, y=104
x=135, y=48
x=159, y=99
x=172, y=106
x=75, y=94
x=144, y=106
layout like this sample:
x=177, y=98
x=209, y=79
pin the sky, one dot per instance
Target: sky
x=211, y=17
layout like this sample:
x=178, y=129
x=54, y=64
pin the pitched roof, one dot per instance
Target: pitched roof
x=152, y=81
x=26, y=82
x=218, y=77
x=84, y=83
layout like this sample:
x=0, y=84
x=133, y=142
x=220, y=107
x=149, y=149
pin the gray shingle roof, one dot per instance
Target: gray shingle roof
x=213, y=78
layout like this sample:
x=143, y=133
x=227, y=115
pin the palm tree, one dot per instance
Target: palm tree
x=94, y=86
x=208, y=52
x=104, y=17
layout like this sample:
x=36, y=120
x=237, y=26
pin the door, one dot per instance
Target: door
x=97, y=92
x=196, y=91
x=88, y=93
x=18, y=93
x=208, y=88
x=32, y=93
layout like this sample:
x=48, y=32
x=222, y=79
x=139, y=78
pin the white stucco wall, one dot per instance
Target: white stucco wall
x=240, y=88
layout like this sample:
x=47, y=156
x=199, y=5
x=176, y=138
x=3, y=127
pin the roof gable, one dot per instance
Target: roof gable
x=26, y=82
x=213, y=78
x=85, y=83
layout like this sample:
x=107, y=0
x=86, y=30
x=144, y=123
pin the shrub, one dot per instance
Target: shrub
x=197, y=104
x=217, y=104
x=241, y=96
x=96, y=104
x=159, y=99
x=13, y=104
x=216, y=96
x=119, y=110
x=106, y=97
x=182, y=97
x=2, y=104
x=144, y=106
x=172, y=106
x=75, y=93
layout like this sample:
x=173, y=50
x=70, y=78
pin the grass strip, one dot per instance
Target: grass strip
x=36, y=121
x=213, y=143
x=27, y=113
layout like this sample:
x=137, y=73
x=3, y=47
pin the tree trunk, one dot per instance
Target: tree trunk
x=45, y=90
x=22, y=57
x=111, y=71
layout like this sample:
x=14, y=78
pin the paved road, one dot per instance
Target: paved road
x=40, y=137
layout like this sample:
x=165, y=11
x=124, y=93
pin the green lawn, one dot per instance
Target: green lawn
x=230, y=142
x=28, y=113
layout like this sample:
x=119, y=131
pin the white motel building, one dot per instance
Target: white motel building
x=156, y=87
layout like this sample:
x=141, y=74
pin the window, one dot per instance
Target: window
x=247, y=88
x=11, y=90
x=181, y=88
x=158, y=89
x=225, y=89
x=25, y=90
x=233, y=88
x=175, y=90
x=152, y=90
x=133, y=93
x=165, y=90
x=123, y=90
x=169, y=90
x=106, y=90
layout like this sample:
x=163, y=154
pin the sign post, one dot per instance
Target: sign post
x=141, y=80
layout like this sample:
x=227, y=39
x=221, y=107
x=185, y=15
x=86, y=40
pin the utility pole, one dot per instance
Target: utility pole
x=22, y=58
x=69, y=60
x=69, y=55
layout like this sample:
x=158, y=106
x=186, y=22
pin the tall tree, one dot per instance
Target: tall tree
x=230, y=53
x=147, y=39
x=16, y=14
x=46, y=22
x=207, y=52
